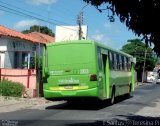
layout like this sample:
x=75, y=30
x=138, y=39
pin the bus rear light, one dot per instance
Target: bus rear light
x=93, y=77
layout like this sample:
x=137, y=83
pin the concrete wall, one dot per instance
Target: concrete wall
x=24, y=76
x=12, y=53
x=70, y=33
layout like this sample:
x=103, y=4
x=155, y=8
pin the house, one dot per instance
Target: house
x=17, y=55
x=41, y=37
x=15, y=46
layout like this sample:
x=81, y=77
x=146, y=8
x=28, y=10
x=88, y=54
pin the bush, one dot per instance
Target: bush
x=9, y=88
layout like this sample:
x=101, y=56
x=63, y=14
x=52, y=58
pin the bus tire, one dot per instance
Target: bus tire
x=130, y=89
x=113, y=95
x=128, y=94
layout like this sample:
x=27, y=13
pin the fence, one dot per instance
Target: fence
x=20, y=66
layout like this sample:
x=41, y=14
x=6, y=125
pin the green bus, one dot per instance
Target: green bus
x=78, y=69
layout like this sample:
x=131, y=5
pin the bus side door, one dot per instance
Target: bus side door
x=100, y=73
x=102, y=61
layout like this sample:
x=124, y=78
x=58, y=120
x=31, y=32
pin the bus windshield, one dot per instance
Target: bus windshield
x=73, y=53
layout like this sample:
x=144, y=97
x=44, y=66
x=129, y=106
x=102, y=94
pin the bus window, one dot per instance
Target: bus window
x=120, y=62
x=115, y=61
x=125, y=64
x=128, y=64
x=110, y=60
x=99, y=58
x=104, y=61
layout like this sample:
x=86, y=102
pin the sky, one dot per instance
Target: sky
x=21, y=14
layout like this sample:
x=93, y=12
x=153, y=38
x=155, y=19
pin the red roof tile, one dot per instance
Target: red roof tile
x=4, y=31
x=41, y=37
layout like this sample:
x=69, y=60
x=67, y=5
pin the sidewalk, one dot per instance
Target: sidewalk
x=152, y=110
x=9, y=104
x=137, y=84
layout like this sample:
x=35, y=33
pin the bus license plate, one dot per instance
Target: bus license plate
x=68, y=87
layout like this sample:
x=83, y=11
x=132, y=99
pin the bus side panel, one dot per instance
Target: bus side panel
x=121, y=80
x=133, y=77
x=107, y=79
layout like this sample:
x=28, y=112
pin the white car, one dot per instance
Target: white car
x=150, y=78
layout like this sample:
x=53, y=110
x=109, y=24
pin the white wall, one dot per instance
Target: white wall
x=3, y=44
x=12, y=45
x=3, y=48
x=70, y=33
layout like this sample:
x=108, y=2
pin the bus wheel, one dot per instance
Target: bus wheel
x=128, y=94
x=113, y=96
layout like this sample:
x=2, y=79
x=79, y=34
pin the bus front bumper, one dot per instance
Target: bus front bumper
x=93, y=92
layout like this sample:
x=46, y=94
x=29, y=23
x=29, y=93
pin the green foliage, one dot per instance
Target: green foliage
x=42, y=29
x=137, y=49
x=39, y=61
x=36, y=63
x=141, y=16
x=9, y=88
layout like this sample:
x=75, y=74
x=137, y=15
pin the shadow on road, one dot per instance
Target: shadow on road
x=130, y=120
x=80, y=106
x=121, y=120
x=87, y=105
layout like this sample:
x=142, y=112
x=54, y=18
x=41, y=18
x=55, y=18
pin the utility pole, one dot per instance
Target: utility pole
x=48, y=14
x=38, y=67
x=144, y=65
x=80, y=22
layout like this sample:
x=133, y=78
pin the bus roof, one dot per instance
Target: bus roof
x=70, y=41
x=112, y=49
x=89, y=41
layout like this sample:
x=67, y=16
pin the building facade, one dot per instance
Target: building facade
x=18, y=55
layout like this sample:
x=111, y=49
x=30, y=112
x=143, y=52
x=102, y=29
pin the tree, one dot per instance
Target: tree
x=141, y=16
x=42, y=29
x=138, y=49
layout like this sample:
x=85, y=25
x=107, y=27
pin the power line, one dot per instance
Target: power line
x=16, y=12
x=54, y=10
x=59, y=8
x=20, y=13
x=27, y=15
x=40, y=10
x=33, y=13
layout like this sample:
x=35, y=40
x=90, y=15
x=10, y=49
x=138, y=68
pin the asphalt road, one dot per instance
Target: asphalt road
x=89, y=114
